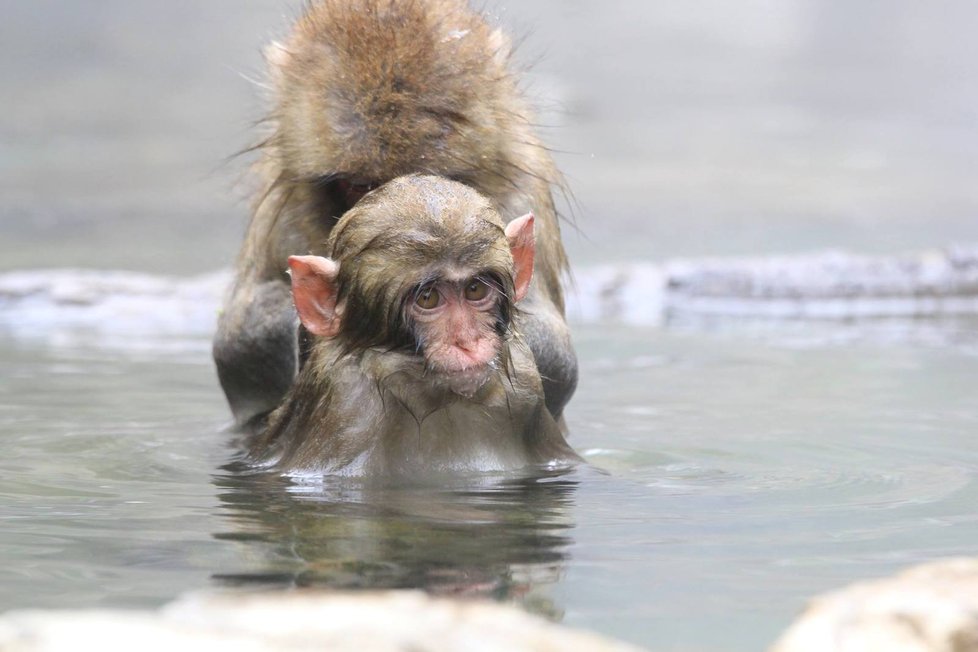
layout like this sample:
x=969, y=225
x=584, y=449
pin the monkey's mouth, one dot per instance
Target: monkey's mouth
x=468, y=380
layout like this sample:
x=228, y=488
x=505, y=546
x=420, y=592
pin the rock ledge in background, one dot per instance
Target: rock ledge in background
x=828, y=285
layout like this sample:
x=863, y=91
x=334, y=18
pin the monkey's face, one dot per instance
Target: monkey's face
x=422, y=266
x=457, y=325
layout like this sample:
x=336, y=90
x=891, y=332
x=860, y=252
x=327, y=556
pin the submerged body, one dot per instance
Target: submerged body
x=379, y=414
x=416, y=364
x=366, y=91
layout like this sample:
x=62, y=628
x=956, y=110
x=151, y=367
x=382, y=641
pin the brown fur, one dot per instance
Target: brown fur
x=367, y=403
x=366, y=91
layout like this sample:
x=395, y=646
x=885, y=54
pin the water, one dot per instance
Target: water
x=745, y=471
x=748, y=464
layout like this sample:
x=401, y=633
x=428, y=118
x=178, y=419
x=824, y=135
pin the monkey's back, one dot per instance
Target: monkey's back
x=375, y=89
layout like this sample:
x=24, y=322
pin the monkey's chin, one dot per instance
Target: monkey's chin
x=466, y=382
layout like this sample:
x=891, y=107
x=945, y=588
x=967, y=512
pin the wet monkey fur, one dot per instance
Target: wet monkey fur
x=366, y=91
x=415, y=365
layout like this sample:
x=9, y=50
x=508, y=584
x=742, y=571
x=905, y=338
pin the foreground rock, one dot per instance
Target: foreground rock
x=929, y=608
x=394, y=621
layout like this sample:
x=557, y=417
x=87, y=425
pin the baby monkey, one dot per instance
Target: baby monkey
x=414, y=365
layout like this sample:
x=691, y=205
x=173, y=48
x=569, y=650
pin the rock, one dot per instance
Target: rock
x=130, y=307
x=828, y=285
x=114, y=311
x=391, y=621
x=928, y=608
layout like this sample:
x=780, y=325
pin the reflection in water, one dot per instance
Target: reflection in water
x=504, y=538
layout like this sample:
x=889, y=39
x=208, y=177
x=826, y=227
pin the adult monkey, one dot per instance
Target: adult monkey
x=415, y=364
x=367, y=91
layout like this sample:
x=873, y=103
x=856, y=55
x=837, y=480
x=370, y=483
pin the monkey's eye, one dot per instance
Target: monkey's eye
x=476, y=290
x=428, y=298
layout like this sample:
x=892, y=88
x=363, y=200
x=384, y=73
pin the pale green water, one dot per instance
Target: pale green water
x=746, y=473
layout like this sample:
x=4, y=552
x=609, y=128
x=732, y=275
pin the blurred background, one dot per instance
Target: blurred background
x=692, y=128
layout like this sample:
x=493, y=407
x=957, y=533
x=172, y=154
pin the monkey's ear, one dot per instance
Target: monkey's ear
x=314, y=291
x=522, y=245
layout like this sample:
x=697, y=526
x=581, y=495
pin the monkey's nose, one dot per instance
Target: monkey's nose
x=468, y=345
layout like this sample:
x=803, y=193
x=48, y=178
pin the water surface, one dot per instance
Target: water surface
x=744, y=471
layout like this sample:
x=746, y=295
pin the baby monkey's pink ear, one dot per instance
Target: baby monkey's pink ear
x=314, y=291
x=522, y=246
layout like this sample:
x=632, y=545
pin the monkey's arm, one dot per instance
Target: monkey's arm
x=255, y=348
x=540, y=318
x=546, y=332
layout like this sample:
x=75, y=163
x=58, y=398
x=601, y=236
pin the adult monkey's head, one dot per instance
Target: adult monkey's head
x=421, y=265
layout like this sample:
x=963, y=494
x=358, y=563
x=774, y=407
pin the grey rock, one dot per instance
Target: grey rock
x=392, y=621
x=928, y=608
